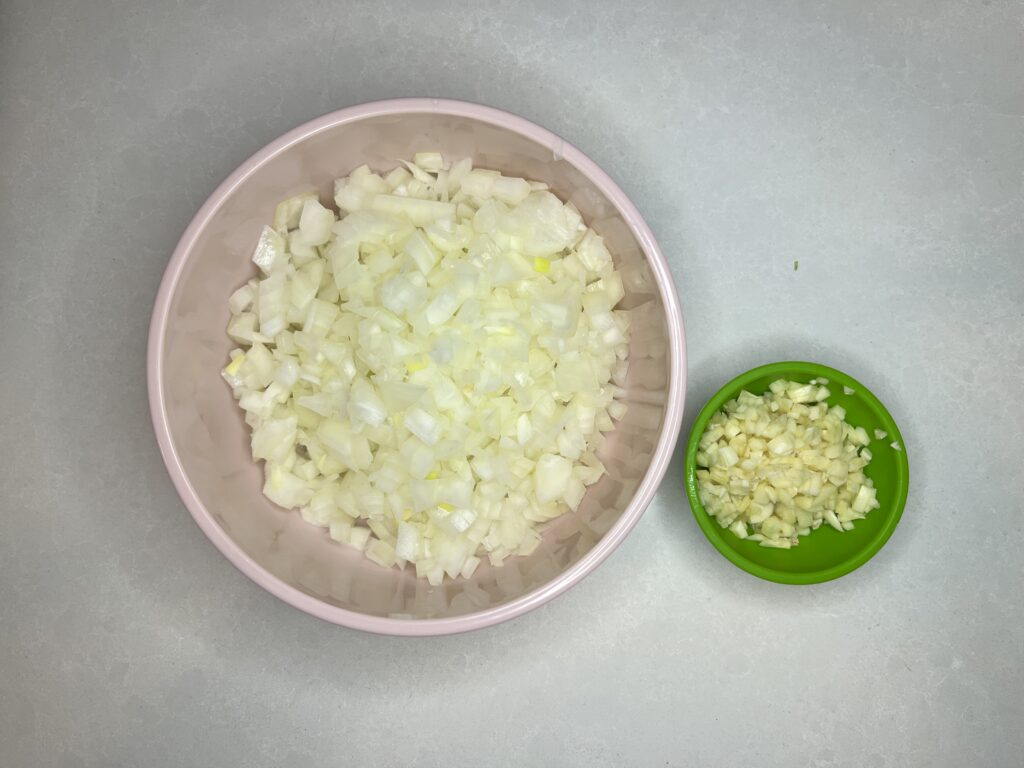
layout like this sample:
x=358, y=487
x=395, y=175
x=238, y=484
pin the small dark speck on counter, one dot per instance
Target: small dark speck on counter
x=796, y=265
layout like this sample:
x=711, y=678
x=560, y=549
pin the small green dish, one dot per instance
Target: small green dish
x=825, y=554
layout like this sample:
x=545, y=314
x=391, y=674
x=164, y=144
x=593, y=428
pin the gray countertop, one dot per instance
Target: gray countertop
x=879, y=144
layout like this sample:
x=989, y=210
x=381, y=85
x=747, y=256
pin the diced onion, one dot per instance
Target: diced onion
x=428, y=376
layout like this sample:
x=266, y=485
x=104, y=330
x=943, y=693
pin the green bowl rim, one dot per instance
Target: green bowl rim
x=712, y=531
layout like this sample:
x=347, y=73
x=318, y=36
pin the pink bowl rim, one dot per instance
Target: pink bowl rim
x=568, y=578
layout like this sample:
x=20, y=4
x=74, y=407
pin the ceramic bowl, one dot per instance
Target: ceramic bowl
x=205, y=442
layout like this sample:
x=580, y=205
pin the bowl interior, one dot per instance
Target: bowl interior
x=209, y=439
x=824, y=554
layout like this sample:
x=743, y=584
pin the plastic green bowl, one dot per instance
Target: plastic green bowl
x=826, y=553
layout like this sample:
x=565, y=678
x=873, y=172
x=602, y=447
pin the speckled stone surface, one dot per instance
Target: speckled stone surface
x=879, y=144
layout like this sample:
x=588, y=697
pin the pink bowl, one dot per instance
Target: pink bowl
x=204, y=440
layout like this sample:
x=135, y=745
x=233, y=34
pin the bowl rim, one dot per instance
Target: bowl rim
x=715, y=533
x=676, y=350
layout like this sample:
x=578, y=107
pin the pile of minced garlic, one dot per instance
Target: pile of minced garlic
x=772, y=468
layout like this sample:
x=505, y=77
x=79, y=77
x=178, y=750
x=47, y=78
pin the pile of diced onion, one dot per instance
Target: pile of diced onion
x=774, y=467
x=429, y=371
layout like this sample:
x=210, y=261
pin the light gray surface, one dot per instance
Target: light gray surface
x=880, y=144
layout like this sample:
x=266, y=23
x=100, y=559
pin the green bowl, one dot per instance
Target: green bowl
x=826, y=553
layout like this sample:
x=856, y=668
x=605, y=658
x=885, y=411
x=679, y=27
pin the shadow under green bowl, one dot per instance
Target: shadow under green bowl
x=825, y=554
